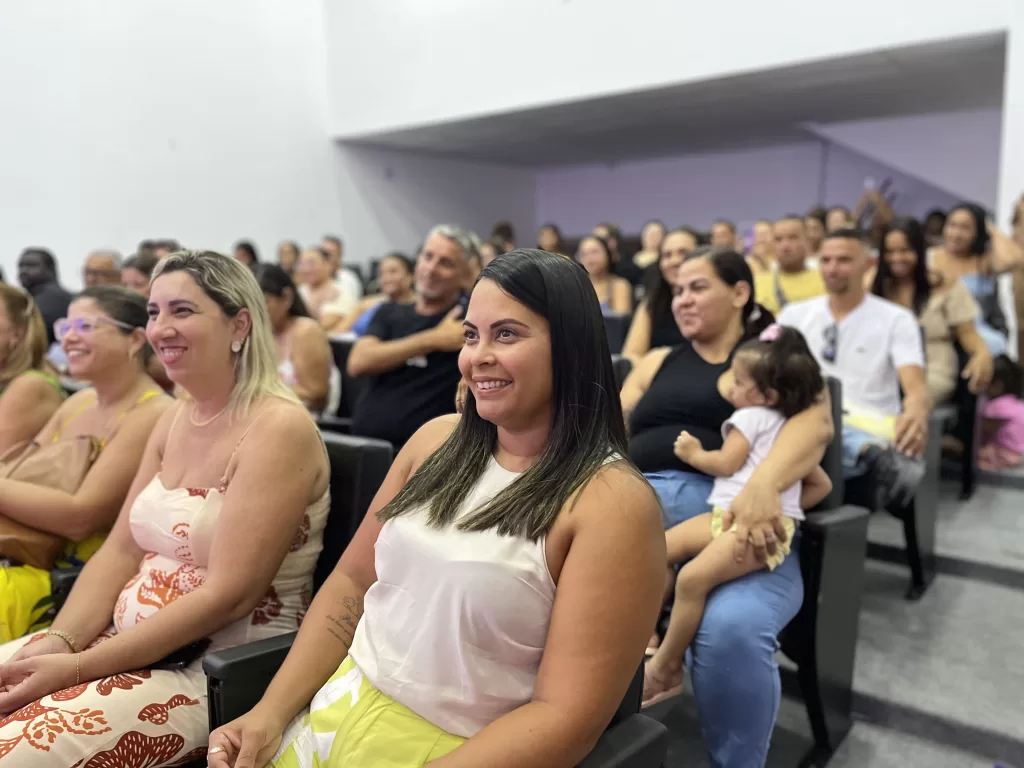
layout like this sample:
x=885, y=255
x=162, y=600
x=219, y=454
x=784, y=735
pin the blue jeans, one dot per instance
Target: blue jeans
x=732, y=658
x=854, y=441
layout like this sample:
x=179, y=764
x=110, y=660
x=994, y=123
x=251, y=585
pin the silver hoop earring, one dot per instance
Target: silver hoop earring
x=236, y=346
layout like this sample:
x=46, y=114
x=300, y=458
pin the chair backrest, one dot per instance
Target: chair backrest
x=616, y=327
x=352, y=387
x=630, y=703
x=832, y=461
x=622, y=367
x=358, y=468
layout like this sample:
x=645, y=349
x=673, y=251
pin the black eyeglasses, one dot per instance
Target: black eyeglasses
x=831, y=336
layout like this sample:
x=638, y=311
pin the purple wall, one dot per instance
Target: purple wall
x=697, y=189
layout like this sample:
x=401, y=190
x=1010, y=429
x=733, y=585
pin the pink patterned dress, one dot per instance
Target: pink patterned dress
x=152, y=718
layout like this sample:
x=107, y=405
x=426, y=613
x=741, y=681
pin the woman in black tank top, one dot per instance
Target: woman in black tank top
x=681, y=389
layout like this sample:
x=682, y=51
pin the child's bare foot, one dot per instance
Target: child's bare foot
x=660, y=684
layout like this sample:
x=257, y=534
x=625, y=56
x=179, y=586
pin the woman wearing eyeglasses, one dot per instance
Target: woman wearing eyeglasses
x=104, y=339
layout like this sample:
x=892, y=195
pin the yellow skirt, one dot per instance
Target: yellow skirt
x=24, y=590
x=781, y=547
x=353, y=725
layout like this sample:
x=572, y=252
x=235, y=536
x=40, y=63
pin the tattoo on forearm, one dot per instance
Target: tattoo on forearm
x=343, y=619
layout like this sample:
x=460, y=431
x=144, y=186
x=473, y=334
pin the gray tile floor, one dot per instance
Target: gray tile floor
x=939, y=682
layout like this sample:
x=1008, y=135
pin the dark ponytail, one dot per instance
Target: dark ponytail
x=782, y=363
x=732, y=268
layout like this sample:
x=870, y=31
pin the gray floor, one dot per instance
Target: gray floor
x=939, y=682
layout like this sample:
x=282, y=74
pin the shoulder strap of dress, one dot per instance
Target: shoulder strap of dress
x=60, y=427
x=231, y=458
x=148, y=395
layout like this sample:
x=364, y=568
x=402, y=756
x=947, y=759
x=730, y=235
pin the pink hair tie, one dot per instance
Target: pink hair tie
x=771, y=333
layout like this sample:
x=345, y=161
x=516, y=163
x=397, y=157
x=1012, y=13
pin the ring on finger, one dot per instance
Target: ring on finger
x=215, y=750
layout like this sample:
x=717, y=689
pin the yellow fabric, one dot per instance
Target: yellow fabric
x=875, y=424
x=21, y=589
x=796, y=286
x=353, y=725
x=781, y=547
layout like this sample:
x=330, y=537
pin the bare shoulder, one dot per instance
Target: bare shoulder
x=308, y=328
x=619, y=498
x=427, y=439
x=283, y=423
x=651, y=363
x=29, y=387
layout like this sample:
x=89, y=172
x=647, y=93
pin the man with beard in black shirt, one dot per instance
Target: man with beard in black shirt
x=412, y=350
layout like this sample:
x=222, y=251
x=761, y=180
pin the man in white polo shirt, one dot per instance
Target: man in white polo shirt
x=874, y=348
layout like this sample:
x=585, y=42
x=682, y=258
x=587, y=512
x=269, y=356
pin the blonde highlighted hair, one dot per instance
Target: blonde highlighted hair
x=231, y=285
x=29, y=354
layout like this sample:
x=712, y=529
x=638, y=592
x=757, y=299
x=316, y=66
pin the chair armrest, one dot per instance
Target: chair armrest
x=832, y=517
x=237, y=678
x=636, y=742
x=61, y=582
x=250, y=659
x=940, y=417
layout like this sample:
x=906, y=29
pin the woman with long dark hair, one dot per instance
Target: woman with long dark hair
x=303, y=352
x=975, y=252
x=653, y=324
x=684, y=389
x=944, y=308
x=474, y=619
x=614, y=293
x=395, y=279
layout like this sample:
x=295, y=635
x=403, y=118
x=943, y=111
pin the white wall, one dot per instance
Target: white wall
x=391, y=199
x=741, y=185
x=954, y=151
x=449, y=59
x=204, y=121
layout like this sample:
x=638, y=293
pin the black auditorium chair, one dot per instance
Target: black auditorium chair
x=352, y=389
x=964, y=423
x=237, y=677
x=919, y=515
x=822, y=638
x=616, y=327
x=622, y=367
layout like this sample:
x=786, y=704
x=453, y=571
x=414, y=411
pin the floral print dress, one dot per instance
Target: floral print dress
x=152, y=718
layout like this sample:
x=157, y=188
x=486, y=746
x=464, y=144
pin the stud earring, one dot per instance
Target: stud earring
x=236, y=346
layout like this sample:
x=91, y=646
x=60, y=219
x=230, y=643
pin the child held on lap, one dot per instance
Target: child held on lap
x=773, y=378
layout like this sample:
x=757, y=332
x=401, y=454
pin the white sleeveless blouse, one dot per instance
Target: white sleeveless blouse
x=455, y=626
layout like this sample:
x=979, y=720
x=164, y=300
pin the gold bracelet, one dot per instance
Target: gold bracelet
x=78, y=669
x=66, y=638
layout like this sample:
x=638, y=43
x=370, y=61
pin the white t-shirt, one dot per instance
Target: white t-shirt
x=760, y=426
x=350, y=291
x=871, y=344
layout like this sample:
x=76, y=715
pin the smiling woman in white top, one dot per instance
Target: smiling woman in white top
x=475, y=620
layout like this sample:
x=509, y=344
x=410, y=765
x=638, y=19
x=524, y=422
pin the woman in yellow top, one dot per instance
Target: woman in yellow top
x=30, y=392
x=104, y=339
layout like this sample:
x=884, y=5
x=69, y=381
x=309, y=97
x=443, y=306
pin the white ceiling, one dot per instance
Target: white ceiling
x=755, y=109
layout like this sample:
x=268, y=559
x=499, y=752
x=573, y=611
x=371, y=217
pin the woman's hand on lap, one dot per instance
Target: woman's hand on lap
x=45, y=646
x=25, y=681
x=248, y=742
x=756, y=517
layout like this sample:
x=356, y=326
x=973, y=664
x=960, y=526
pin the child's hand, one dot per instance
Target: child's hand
x=686, y=445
